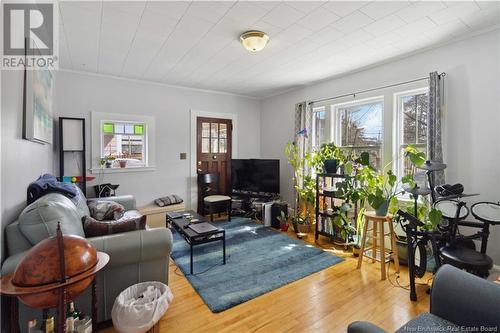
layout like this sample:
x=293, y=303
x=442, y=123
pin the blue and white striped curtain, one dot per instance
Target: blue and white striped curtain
x=434, y=118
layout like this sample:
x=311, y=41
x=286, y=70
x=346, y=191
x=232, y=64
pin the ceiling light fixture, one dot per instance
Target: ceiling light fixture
x=254, y=40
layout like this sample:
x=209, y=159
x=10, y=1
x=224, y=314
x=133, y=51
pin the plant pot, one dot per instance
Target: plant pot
x=356, y=250
x=108, y=164
x=330, y=166
x=284, y=227
x=304, y=228
x=382, y=209
x=122, y=164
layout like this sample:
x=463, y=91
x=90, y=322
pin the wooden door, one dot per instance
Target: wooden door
x=214, y=146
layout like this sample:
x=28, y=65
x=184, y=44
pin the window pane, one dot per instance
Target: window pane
x=132, y=147
x=422, y=102
x=214, y=130
x=119, y=128
x=319, y=135
x=138, y=129
x=205, y=145
x=409, y=120
x=109, y=145
x=215, y=146
x=108, y=128
x=361, y=130
x=222, y=146
x=205, y=130
x=222, y=131
x=129, y=129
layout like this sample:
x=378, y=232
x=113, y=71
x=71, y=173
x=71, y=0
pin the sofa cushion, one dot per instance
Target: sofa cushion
x=132, y=220
x=103, y=210
x=427, y=322
x=38, y=221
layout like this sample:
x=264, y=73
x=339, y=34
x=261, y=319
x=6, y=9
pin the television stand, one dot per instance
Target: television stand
x=244, y=202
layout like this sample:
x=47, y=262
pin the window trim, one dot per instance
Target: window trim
x=397, y=130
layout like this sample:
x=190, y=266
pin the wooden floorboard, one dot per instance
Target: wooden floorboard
x=326, y=301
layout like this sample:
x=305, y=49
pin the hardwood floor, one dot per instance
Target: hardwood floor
x=326, y=301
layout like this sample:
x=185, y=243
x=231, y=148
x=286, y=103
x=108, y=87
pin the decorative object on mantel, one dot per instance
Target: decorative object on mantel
x=54, y=271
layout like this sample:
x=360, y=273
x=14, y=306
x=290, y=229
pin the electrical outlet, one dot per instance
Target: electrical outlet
x=183, y=156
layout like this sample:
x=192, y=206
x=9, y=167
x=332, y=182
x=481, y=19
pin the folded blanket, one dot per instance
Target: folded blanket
x=168, y=200
x=47, y=184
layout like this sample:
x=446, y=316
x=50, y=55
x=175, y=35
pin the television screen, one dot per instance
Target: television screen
x=255, y=175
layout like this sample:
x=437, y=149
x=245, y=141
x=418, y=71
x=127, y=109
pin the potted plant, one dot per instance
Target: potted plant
x=305, y=187
x=283, y=221
x=122, y=163
x=109, y=161
x=328, y=158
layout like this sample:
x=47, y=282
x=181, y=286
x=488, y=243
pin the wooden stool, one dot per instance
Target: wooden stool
x=378, y=237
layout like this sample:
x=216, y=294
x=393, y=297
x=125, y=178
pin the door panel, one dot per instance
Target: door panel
x=214, y=146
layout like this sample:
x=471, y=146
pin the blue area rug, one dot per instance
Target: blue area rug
x=258, y=260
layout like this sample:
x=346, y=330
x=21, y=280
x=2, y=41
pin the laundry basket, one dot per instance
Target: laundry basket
x=139, y=307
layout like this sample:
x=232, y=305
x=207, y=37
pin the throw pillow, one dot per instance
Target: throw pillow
x=169, y=200
x=94, y=228
x=102, y=210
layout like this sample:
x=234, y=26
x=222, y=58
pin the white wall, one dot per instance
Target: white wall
x=472, y=121
x=22, y=161
x=78, y=94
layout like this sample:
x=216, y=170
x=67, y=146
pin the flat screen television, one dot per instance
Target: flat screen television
x=255, y=175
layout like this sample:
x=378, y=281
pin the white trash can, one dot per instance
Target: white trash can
x=139, y=307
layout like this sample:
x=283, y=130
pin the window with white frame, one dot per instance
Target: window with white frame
x=358, y=127
x=411, y=125
x=124, y=141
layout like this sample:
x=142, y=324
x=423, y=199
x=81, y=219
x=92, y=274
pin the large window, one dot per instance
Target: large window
x=358, y=127
x=124, y=141
x=411, y=125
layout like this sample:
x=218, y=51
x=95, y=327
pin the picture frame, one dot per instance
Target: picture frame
x=38, y=97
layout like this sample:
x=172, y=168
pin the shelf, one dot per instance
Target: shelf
x=332, y=175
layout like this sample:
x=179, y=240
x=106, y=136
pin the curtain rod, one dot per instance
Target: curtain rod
x=372, y=89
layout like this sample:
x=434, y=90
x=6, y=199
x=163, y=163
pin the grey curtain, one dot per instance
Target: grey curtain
x=434, y=118
x=303, y=128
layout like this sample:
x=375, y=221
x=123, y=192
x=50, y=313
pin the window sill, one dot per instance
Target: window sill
x=122, y=170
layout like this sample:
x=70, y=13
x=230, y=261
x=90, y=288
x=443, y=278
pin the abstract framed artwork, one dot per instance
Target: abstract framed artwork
x=38, y=106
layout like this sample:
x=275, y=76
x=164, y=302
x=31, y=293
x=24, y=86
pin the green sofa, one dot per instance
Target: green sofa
x=135, y=256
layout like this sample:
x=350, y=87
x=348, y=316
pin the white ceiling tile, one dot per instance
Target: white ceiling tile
x=170, y=9
x=352, y=22
x=282, y=15
x=379, y=9
x=293, y=34
x=488, y=4
x=211, y=11
x=416, y=28
x=326, y=35
x=381, y=27
x=384, y=40
x=483, y=19
x=128, y=7
x=418, y=10
x=318, y=19
x=451, y=13
x=305, y=6
x=447, y=31
x=355, y=38
x=267, y=4
x=344, y=8
x=246, y=12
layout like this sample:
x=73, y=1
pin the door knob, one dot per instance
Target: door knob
x=214, y=157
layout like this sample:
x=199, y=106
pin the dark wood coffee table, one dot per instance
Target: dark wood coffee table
x=192, y=237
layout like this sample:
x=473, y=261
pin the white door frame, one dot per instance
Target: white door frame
x=193, y=197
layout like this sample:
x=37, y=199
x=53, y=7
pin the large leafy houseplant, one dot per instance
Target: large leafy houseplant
x=304, y=185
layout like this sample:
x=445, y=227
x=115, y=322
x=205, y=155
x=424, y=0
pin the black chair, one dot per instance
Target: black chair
x=213, y=200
